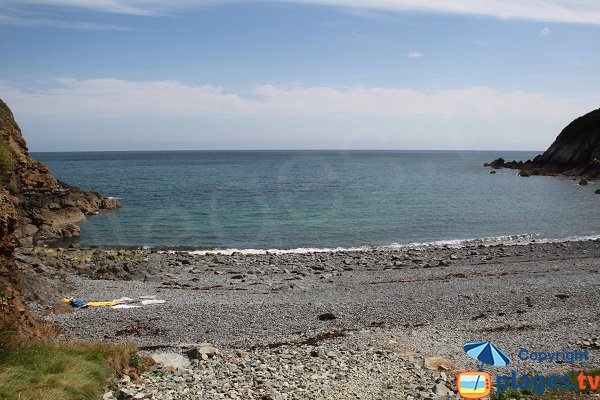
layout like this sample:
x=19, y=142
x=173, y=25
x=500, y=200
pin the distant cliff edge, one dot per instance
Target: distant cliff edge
x=46, y=208
x=575, y=152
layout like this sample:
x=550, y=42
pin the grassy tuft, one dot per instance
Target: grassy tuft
x=48, y=371
x=7, y=162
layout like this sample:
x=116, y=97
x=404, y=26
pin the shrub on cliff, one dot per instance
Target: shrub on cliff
x=7, y=162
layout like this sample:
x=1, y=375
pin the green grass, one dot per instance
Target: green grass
x=7, y=162
x=551, y=394
x=62, y=371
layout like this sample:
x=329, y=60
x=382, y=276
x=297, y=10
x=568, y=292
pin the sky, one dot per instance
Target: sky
x=85, y=75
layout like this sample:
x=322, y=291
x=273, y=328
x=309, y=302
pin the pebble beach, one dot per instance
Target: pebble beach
x=343, y=325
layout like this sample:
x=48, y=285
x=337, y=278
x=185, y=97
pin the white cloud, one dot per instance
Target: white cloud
x=113, y=98
x=132, y=7
x=415, y=54
x=545, y=32
x=25, y=22
x=569, y=11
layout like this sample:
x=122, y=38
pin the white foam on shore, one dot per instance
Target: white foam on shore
x=507, y=240
x=300, y=250
x=519, y=239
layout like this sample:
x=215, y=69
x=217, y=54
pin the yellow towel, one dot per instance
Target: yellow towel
x=101, y=303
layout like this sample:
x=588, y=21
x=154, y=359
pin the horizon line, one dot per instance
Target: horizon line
x=277, y=149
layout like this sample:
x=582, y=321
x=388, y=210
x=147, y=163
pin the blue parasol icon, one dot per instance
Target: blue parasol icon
x=486, y=353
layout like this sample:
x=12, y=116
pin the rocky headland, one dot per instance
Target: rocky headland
x=46, y=208
x=575, y=152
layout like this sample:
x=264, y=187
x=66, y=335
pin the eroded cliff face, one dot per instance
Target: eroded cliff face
x=16, y=322
x=575, y=152
x=46, y=209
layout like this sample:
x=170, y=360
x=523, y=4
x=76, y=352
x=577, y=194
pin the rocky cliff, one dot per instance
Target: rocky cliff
x=575, y=152
x=45, y=208
x=16, y=322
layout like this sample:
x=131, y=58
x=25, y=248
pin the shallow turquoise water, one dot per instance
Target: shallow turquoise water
x=299, y=199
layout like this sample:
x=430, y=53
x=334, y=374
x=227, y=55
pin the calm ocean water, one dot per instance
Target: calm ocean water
x=316, y=199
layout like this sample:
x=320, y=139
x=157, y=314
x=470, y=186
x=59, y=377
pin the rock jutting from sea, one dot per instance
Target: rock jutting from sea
x=575, y=152
x=46, y=208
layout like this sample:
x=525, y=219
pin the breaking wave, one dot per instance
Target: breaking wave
x=506, y=240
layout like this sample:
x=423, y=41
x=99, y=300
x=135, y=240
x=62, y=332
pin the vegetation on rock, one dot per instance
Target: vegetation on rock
x=7, y=162
x=62, y=371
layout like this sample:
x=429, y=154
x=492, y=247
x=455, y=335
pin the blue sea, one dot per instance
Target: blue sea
x=322, y=199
